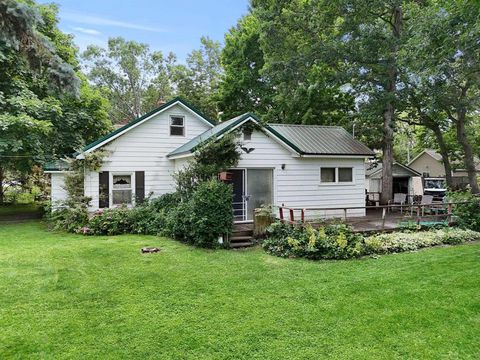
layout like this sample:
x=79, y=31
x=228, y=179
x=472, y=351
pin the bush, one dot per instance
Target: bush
x=467, y=215
x=399, y=242
x=339, y=242
x=206, y=216
x=69, y=217
x=110, y=222
x=335, y=241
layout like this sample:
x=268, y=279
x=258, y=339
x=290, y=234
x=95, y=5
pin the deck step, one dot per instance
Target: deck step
x=237, y=245
x=236, y=233
x=240, y=238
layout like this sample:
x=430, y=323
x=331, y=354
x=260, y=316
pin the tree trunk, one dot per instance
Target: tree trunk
x=1, y=185
x=389, y=113
x=387, y=158
x=468, y=152
x=444, y=152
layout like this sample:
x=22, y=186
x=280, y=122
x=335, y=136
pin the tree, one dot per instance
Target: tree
x=444, y=56
x=44, y=113
x=133, y=78
x=243, y=87
x=198, y=80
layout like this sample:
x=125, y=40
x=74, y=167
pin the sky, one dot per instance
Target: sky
x=166, y=25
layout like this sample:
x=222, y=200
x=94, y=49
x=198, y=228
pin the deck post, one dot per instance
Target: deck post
x=345, y=214
x=280, y=209
x=450, y=211
x=303, y=215
x=291, y=216
x=418, y=214
x=384, y=212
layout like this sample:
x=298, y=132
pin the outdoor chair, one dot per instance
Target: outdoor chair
x=399, y=199
x=426, y=200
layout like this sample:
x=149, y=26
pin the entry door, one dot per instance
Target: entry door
x=259, y=189
x=239, y=205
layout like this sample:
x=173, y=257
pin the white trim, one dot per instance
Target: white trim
x=106, y=141
x=110, y=186
x=281, y=142
x=184, y=126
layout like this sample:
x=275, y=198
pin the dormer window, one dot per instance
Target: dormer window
x=177, y=125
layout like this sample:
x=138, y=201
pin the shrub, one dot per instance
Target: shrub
x=401, y=241
x=467, y=215
x=70, y=217
x=334, y=241
x=110, y=222
x=203, y=218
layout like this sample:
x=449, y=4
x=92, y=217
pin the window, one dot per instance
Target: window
x=122, y=189
x=177, y=126
x=345, y=174
x=332, y=175
x=327, y=175
x=247, y=134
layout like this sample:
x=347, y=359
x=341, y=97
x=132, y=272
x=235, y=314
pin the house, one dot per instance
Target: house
x=429, y=163
x=288, y=165
x=405, y=180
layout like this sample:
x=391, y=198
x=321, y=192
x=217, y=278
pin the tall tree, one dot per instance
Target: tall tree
x=133, y=77
x=46, y=108
x=444, y=56
x=243, y=87
x=198, y=80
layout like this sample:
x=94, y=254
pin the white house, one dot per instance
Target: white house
x=306, y=166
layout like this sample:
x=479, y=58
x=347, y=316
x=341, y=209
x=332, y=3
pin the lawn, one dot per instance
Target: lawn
x=70, y=296
x=19, y=209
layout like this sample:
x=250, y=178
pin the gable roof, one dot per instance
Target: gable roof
x=432, y=153
x=130, y=125
x=301, y=139
x=377, y=167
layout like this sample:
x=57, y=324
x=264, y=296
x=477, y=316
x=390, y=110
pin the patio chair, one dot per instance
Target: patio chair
x=426, y=200
x=399, y=199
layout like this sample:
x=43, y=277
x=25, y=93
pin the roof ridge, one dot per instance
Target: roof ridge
x=309, y=125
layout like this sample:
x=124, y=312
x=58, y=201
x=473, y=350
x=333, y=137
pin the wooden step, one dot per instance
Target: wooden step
x=240, y=238
x=237, y=245
x=242, y=233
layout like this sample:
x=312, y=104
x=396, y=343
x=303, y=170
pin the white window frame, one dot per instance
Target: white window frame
x=336, y=182
x=184, y=127
x=132, y=183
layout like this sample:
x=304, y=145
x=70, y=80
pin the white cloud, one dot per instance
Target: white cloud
x=101, y=21
x=86, y=31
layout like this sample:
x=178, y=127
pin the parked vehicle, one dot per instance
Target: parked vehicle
x=436, y=187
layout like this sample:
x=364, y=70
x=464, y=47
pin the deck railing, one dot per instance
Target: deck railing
x=416, y=212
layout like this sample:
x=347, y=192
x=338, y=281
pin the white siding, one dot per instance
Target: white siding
x=58, y=192
x=298, y=185
x=144, y=148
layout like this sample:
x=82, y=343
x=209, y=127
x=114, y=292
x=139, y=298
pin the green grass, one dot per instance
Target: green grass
x=70, y=296
x=19, y=209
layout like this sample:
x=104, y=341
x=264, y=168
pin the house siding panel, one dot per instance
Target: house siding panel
x=299, y=184
x=144, y=148
x=58, y=192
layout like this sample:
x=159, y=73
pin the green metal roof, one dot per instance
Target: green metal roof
x=216, y=131
x=57, y=165
x=322, y=140
x=143, y=117
x=303, y=139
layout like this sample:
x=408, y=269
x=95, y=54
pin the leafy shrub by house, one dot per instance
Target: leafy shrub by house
x=336, y=241
x=466, y=215
x=203, y=218
x=70, y=216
